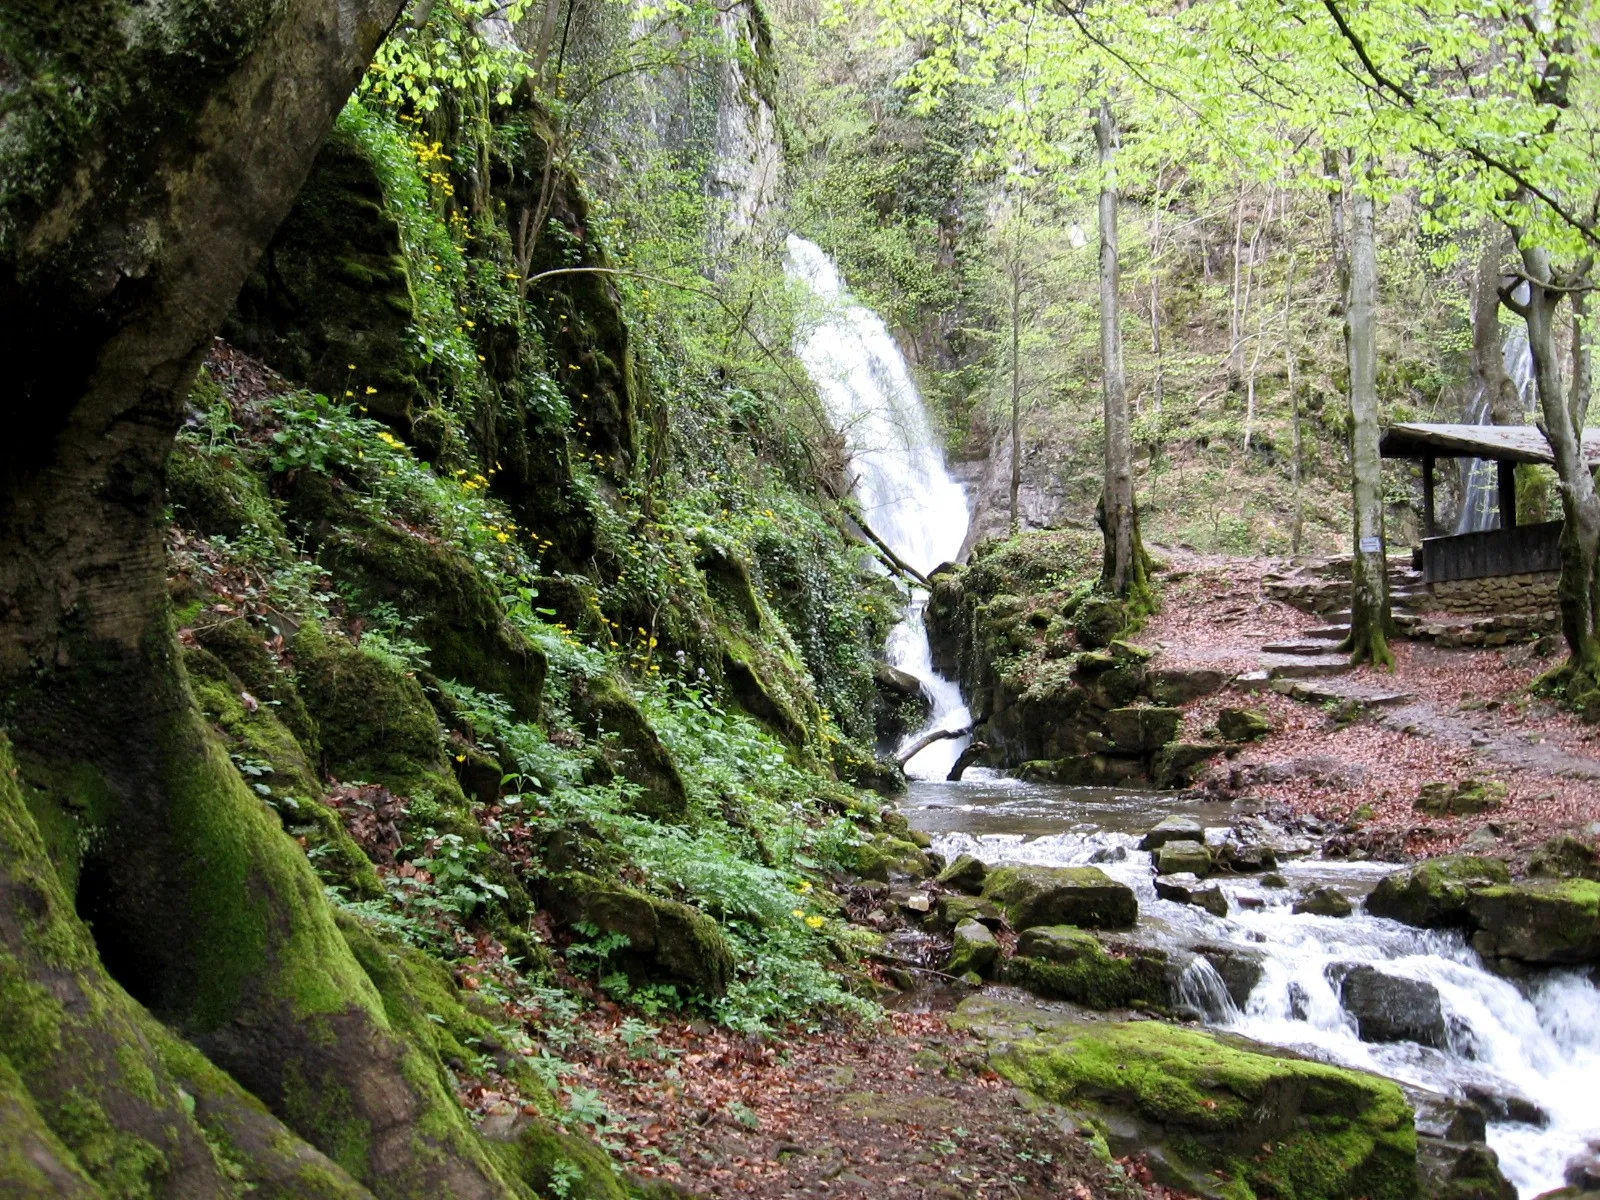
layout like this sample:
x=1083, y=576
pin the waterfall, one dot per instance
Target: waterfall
x=906, y=495
x=1480, y=479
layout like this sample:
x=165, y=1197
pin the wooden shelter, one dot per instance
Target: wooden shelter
x=1510, y=550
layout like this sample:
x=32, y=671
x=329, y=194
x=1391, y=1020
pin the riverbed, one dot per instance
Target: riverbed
x=1531, y=1047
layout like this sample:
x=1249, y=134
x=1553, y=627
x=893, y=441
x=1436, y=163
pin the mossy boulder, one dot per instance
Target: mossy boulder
x=1184, y=857
x=1548, y=922
x=1083, y=896
x=1099, y=619
x=1565, y=857
x=1243, y=724
x=1083, y=770
x=883, y=856
x=1172, y=829
x=966, y=874
x=1223, y=1117
x=214, y=494
x=667, y=941
x=1173, y=765
x=1467, y=798
x=1323, y=902
x=973, y=949
x=1180, y=685
x=1108, y=681
x=951, y=910
x=1434, y=894
x=1061, y=962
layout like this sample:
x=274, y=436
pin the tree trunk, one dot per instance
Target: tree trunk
x=1488, y=351
x=151, y=176
x=1296, y=454
x=1370, y=622
x=1124, y=571
x=1016, y=391
x=1579, y=588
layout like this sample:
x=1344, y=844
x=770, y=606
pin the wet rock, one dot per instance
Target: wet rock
x=1465, y=799
x=1583, y=1174
x=1434, y=894
x=1179, y=685
x=975, y=949
x=1444, y=1117
x=1110, y=854
x=1190, y=1102
x=1448, y=1170
x=1323, y=902
x=1391, y=1008
x=1185, y=888
x=1247, y=857
x=1565, y=858
x=1141, y=730
x=1083, y=770
x=1240, y=967
x=1173, y=765
x=1274, y=880
x=1177, y=858
x=1060, y=962
x=1084, y=896
x=1506, y=1106
x=1173, y=829
x=965, y=874
x=1243, y=724
x=1547, y=922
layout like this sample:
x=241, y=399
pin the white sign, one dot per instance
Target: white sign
x=1371, y=545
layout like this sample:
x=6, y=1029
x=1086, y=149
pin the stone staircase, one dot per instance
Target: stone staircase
x=1323, y=589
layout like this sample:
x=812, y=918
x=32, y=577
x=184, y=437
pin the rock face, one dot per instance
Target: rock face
x=1565, y=858
x=1434, y=894
x=666, y=939
x=1215, y=1115
x=1542, y=922
x=1390, y=1008
x=1084, y=896
x=1141, y=730
x=1060, y=962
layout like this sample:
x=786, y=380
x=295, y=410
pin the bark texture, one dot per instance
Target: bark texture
x=1124, y=572
x=149, y=150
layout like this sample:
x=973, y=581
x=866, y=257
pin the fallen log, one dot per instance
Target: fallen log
x=922, y=743
x=968, y=756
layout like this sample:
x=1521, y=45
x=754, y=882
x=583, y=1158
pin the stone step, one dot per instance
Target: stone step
x=1312, y=691
x=1307, y=647
x=1328, y=633
x=1293, y=667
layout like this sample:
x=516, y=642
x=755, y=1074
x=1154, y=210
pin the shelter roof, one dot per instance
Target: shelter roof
x=1508, y=443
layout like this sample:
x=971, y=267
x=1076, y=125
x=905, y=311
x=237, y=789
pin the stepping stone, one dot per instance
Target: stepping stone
x=1306, y=647
x=1251, y=681
x=1289, y=667
x=1328, y=633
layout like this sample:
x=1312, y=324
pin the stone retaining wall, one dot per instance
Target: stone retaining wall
x=1530, y=593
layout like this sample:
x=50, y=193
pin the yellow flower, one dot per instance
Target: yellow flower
x=815, y=922
x=372, y=391
x=351, y=366
x=799, y=912
x=503, y=537
x=805, y=886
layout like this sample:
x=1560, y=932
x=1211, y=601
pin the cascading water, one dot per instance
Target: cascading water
x=906, y=495
x=1480, y=479
x=1528, y=1050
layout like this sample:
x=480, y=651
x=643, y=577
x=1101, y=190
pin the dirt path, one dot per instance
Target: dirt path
x=1467, y=713
x=904, y=1110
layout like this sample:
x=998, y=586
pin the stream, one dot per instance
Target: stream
x=1532, y=1049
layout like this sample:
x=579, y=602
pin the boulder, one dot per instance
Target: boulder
x=1565, y=858
x=1243, y=724
x=1434, y=894
x=1106, y=680
x=1060, y=962
x=1214, y=1115
x=965, y=874
x=1179, y=858
x=1465, y=799
x=1506, y=1106
x=1173, y=765
x=974, y=950
x=1247, y=857
x=1546, y=922
x=1240, y=967
x=1083, y=770
x=1173, y=829
x=666, y=940
x=1180, y=685
x=1098, y=620
x=1141, y=730
x=1084, y=896
x=951, y=911
x=1391, y=1008
x=1583, y=1173
x=1185, y=888
x=1449, y=1170
x=1323, y=902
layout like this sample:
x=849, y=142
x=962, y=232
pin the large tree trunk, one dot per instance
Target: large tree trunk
x=1579, y=588
x=1124, y=571
x=143, y=183
x=1370, y=622
x=1488, y=351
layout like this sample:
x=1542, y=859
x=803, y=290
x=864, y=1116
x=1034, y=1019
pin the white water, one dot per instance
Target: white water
x=1540, y=1043
x=1480, y=478
x=906, y=495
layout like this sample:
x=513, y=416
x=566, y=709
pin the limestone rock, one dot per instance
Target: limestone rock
x=1243, y=724
x=1180, y=685
x=1178, y=858
x=1434, y=894
x=1098, y=620
x=1467, y=798
x=1141, y=730
x=1545, y=922
x=1173, y=829
x=953, y=910
x=1084, y=896
x=1391, y=1008
x=1565, y=858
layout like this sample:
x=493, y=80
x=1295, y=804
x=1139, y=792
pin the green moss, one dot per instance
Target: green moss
x=34, y=1163
x=323, y=1104
x=556, y=1163
x=1435, y=893
x=30, y=1017
x=1063, y=963
x=213, y=494
x=607, y=711
x=1267, y=1123
x=122, y=1163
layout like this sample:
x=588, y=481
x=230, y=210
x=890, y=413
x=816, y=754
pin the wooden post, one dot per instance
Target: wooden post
x=1508, y=493
x=1428, y=527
